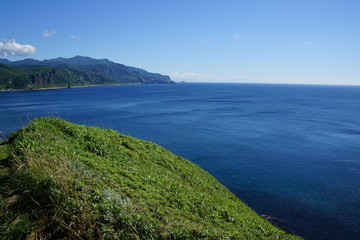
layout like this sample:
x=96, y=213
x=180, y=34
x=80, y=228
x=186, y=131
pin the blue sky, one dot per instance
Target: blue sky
x=269, y=41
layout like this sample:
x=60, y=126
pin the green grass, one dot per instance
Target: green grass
x=61, y=180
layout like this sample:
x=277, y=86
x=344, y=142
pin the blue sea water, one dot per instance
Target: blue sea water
x=291, y=152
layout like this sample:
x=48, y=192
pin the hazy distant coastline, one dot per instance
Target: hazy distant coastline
x=62, y=88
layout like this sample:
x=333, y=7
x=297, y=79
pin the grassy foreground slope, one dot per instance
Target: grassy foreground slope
x=61, y=180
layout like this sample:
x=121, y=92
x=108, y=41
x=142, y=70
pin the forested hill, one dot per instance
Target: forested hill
x=76, y=71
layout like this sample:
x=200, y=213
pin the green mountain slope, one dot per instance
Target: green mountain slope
x=115, y=71
x=76, y=71
x=32, y=77
x=8, y=73
x=70, y=181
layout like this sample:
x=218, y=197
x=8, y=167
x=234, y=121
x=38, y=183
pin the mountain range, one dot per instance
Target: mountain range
x=75, y=71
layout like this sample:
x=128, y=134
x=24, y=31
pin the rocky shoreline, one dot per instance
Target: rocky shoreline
x=61, y=88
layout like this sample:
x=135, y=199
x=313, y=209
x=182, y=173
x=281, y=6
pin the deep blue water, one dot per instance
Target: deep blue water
x=289, y=151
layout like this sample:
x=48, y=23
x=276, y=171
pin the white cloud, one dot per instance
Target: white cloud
x=47, y=33
x=207, y=40
x=190, y=75
x=242, y=78
x=74, y=37
x=12, y=48
x=236, y=37
x=196, y=77
x=308, y=43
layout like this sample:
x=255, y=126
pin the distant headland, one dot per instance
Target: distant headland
x=31, y=74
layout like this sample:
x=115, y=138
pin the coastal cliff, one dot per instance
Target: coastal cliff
x=76, y=71
x=61, y=180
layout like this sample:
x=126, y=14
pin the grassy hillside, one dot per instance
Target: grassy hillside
x=61, y=180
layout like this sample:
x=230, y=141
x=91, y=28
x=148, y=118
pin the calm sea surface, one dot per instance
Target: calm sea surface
x=291, y=152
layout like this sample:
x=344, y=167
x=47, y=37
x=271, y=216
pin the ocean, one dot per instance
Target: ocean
x=291, y=152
